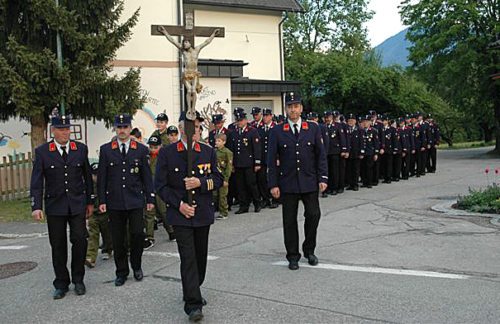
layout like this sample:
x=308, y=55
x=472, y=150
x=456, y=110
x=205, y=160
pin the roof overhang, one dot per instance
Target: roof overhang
x=245, y=86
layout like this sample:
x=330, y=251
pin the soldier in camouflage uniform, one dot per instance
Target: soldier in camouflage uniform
x=225, y=165
x=160, y=210
x=97, y=224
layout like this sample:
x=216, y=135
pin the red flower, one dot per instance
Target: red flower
x=487, y=170
x=497, y=171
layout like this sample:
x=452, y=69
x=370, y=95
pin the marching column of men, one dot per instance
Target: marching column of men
x=273, y=160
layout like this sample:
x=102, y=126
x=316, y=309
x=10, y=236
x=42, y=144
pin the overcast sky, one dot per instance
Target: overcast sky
x=386, y=21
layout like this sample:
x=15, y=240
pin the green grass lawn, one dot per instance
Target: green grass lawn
x=465, y=145
x=18, y=210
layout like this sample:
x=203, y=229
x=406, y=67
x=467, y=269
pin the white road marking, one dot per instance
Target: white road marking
x=403, y=272
x=173, y=255
x=13, y=247
x=14, y=236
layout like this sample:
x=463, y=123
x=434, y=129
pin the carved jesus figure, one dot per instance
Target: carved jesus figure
x=191, y=75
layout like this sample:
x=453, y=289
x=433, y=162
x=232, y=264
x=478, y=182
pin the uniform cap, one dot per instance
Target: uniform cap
x=154, y=140
x=162, y=116
x=292, y=98
x=240, y=115
x=172, y=130
x=256, y=110
x=217, y=118
x=267, y=111
x=238, y=109
x=123, y=120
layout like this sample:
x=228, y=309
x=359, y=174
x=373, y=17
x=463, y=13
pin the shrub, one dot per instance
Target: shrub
x=482, y=200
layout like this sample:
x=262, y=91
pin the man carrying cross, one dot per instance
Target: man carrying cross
x=191, y=76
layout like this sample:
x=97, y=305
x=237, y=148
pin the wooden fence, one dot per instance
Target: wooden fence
x=15, y=176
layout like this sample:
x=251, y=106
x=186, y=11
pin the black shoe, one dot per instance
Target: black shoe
x=258, y=207
x=203, y=301
x=324, y=194
x=274, y=205
x=405, y=178
x=195, y=315
x=147, y=244
x=119, y=281
x=171, y=236
x=138, y=275
x=418, y=175
x=355, y=189
x=333, y=192
x=242, y=211
x=293, y=265
x=312, y=259
x=341, y=190
x=59, y=293
x=80, y=289
x=386, y=181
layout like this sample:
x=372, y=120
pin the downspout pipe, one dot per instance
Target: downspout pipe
x=282, y=58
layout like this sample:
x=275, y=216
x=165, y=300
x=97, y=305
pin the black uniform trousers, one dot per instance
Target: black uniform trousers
x=342, y=171
x=312, y=215
x=246, y=183
x=386, y=164
x=413, y=163
x=333, y=172
x=376, y=170
x=397, y=162
x=431, y=159
x=421, y=160
x=352, y=172
x=58, y=239
x=118, y=220
x=192, y=243
x=367, y=170
x=262, y=183
x=405, y=165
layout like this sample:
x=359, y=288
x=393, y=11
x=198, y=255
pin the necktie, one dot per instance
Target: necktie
x=124, y=152
x=296, y=130
x=64, y=153
x=266, y=128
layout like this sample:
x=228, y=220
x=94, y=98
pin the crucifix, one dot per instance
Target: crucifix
x=190, y=76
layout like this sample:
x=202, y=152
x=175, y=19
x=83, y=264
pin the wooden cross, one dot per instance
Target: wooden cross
x=189, y=31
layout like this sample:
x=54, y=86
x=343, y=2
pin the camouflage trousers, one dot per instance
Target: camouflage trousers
x=98, y=224
x=159, y=212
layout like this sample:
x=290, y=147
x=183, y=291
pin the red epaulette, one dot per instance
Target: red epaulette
x=114, y=145
x=72, y=146
x=133, y=145
x=197, y=147
x=286, y=127
x=180, y=146
x=305, y=126
x=52, y=147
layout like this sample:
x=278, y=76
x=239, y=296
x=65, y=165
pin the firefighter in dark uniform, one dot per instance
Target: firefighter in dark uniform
x=218, y=121
x=246, y=147
x=61, y=179
x=343, y=156
x=314, y=117
x=377, y=124
x=410, y=125
x=125, y=187
x=301, y=174
x=336, y=151
x=397, y=155
x=191, y=223
x=232, y=194
x=436, y=138
x=421, y=144
x=234, y=124
x=354, y=161
x=264, y=130
x=388, y=134
x=404, y=133
x=369, y=151
x=257, y=117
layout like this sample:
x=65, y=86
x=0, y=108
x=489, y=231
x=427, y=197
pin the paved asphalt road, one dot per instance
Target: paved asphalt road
x=384, y=257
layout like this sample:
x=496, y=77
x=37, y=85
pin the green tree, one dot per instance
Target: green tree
x=451, y=53
x=32, y=83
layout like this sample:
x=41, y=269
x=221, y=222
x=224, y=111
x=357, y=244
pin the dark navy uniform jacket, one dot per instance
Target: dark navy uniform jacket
x=124, y=183
x=411, y=135
x=369, y=141
x=420, y=135
x=325, y=136
x=435, y=133
x=246, y=147
x=302, y=161
x=67, y=185
x=390, y=140
x=211, y=135
x=338, y=142
x=403, y=137
x=264, y=139
x=171, y=169
x=354, y=139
